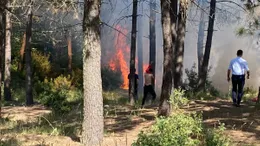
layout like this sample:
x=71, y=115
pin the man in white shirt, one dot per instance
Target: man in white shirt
x=238, y=66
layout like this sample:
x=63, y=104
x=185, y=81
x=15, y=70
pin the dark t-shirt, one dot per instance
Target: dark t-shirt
x=136, y=78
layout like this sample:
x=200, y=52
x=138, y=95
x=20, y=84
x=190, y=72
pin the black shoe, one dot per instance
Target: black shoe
x=234, y=104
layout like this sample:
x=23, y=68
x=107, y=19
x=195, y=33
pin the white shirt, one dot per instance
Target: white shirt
x=238, y=66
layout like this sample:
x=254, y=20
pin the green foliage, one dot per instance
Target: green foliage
x=41, y=64
x=9, y=142
x=178, y=129
x=191, y=85
x=111, y=80
x=177, y=98
x=249, y=93
x=216, y=137
x=182, y=129
x=77, y=78
x=58, y=93
x=113, y=98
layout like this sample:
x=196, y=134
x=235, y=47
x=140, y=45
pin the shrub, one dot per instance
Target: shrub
x=58, y=93
x=114, y=98
x=111, y=80
x=41, y=64
x=249, y=93
x=191, y=85
x=178, y=129
x=182, y=129
x=177, y=99
x=77, y=78
x=216, y=137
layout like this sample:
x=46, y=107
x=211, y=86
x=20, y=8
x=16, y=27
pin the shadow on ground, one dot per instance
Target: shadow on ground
x=242, y=123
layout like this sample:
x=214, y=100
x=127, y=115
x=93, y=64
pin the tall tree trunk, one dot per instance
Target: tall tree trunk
x=7, y=75
x=2, y=4
x=140, y=54
x=93, y=123
x=179, y=49
x=21, y=61
x=132, y=55
x=200, y=42
x=28, y=57
x=205, y=63
x=153, y=36
x=169, y=13
x=69, y=52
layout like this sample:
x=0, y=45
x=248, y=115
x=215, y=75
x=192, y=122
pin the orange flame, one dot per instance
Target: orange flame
x=145, y=66
x=123, y=68
x=118, y=61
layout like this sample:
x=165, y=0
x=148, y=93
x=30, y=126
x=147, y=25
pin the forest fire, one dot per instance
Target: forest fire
x=118, y=62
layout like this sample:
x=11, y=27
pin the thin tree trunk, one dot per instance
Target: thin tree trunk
x=2, y=4
x=205, y=63
x=140, y=54
x=28, y=57
x=21, y=62
x=132, y=55
x=7, y=75
x=179, y=50
x=93, y=123
x=169, y=37
x=69, y=52
x=201, y=35
x=153, y=36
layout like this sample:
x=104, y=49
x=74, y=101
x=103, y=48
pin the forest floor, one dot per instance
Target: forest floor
x=123, y=123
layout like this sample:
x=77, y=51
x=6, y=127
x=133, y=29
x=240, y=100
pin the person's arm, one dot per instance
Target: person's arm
x=229, y=71
x=228, y=75
x=247, y=70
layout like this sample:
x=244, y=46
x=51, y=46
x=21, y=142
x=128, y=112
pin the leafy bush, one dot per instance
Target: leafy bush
x=58, y=93
x=177, y=99
x=77, y=78
x=111, y=80
x=179, y=129
x=216, y=137
x=182, y=129
x=249, y=93
x=191, y=85
x=113, y=98
x=41, y=64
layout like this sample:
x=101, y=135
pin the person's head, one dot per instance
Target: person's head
x=239, y=53
x=150, y=70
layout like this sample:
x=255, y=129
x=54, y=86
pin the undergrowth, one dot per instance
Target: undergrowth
x=181, y=128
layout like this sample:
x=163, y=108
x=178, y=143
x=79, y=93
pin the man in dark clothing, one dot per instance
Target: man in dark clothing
x=148, y=85
x=136, y=85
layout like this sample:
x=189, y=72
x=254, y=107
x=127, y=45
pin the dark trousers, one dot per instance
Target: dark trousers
x=148, y=89
x=238, y=82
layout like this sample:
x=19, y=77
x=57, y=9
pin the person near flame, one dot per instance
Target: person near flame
x=238, y=66
x=136, y=85
x=148, y=84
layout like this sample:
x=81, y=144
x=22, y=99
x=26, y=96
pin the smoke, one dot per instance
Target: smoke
x=225, y=43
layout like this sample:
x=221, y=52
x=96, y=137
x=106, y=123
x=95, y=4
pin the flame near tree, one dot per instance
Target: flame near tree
x=118, y=61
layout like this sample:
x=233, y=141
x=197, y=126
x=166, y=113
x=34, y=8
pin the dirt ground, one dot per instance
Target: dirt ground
x=122, y=128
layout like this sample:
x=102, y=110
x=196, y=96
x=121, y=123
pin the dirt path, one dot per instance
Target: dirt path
x=242, y=123
x=123, y=125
